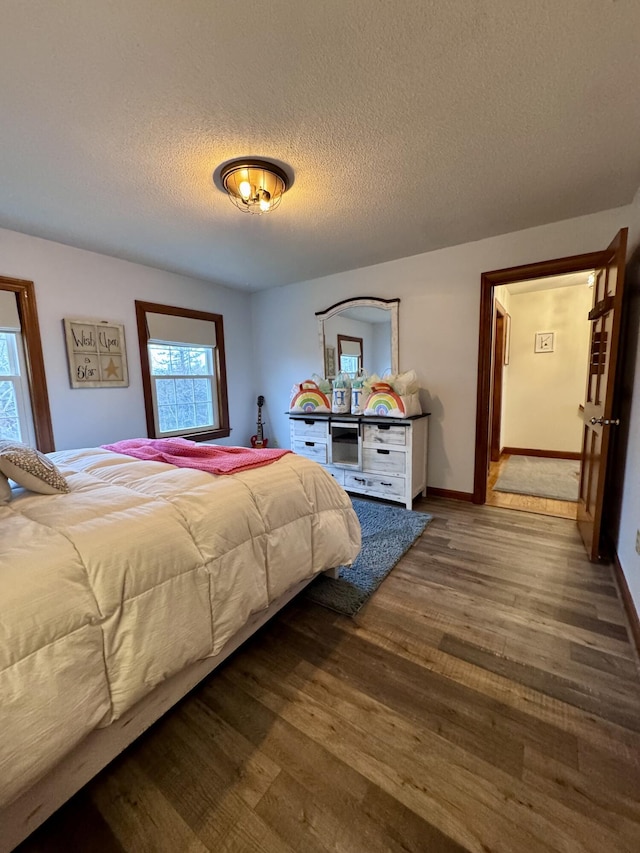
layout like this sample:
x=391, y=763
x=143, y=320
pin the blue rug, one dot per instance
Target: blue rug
x=387, y=533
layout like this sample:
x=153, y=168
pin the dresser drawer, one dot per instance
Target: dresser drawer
x=309, y=429
x=372, y=484
x=385, y=434
x=336, y=473
x=316, y=450
x=382, y=461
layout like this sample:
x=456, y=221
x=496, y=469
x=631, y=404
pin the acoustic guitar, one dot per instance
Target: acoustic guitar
x=258, y=440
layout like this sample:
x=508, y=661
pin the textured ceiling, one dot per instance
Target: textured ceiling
x=408, y=126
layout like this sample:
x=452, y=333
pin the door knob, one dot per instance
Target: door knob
x=605, y=421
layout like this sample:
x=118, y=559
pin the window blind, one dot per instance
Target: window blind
x=171, y=329
x=350, y=348
x=9, y=318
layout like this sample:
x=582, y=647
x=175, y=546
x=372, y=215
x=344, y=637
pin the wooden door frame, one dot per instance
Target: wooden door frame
x=30, y=329
x=489, y=280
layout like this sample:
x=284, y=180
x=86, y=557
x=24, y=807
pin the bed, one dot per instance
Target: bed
x=118, y=597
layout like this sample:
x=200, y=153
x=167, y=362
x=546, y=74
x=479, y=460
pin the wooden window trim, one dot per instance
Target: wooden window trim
x=342, y=338
x=142, y=308
x=34, y=358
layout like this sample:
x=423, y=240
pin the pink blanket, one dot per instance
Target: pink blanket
x=213, y=458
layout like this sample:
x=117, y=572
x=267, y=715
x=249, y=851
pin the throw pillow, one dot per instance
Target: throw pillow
x=31, y=469
x=5, y=490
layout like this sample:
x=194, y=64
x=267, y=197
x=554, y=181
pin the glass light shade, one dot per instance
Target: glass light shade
x=254, y=186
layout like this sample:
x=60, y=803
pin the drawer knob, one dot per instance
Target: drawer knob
x=359, y=480
x=310, y=444
x=384, y=452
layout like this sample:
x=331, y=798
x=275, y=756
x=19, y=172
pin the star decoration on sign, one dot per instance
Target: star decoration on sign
x=111, y=370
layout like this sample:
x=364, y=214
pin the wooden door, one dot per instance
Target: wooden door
x=598, y=415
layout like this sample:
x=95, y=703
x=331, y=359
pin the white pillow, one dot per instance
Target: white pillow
x=5, y=490
x=30, y=469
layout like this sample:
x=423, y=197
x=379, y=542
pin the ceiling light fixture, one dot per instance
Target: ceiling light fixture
x=254, y=186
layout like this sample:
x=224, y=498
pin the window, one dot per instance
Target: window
x=183, y=385
x=184, y=375
x=16, y=421
x=350, y=354
x=24, y=401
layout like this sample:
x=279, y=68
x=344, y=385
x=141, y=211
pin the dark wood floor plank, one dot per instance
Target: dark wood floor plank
x=435, y=599
x=416, y=774
x=620, y=668
x=70, y=827
x=203, y=792
x=142, y=817
x=331, y=782
x=623, y=712
x=570, y=788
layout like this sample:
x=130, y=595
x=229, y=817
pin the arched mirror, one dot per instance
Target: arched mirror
x=359, y=333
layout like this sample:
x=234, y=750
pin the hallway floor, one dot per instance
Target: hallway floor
x=525, y=503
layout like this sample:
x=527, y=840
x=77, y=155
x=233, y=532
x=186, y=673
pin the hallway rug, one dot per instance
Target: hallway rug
x=544, y=478
x=387, y=533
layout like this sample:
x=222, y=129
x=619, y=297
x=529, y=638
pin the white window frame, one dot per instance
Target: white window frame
x=21, y=387
x=211, y=377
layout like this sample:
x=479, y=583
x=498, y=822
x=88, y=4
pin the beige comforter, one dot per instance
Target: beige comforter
x=140, y=570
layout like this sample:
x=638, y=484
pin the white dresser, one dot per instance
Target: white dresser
x=381, y=457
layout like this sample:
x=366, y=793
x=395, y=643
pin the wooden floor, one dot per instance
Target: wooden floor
x=526, y=503
x=486, y=699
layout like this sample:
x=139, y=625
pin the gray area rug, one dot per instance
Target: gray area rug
x=387, y=533
x=541, y=477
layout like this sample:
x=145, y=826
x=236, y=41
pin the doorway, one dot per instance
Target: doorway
x=602, y=390
x=540, y=352
x=486, y=469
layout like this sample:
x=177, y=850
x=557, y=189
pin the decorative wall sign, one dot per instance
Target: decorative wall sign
x=544, y=342
x=329, y=362
x=97, y=354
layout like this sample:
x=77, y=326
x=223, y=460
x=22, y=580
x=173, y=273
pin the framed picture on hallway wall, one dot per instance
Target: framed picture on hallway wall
x=544, y=342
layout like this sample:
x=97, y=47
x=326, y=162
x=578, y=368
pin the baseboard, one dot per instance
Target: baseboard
x=627, y=600
x=548, y=454
x=449, y=494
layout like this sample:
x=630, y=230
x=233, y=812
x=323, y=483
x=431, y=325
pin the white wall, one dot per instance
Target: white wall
x=438, y=330
x=543, y=390
x=75, y=283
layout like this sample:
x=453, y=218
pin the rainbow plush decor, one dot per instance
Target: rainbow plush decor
x=309, y=398
x=384, y=402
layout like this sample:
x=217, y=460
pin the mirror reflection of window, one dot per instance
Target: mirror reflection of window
x=351, y=354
